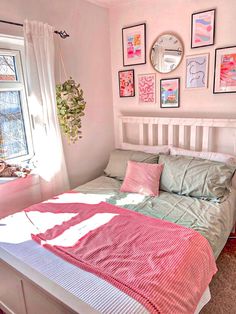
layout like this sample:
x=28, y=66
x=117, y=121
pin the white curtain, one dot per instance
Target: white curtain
x=40, y=61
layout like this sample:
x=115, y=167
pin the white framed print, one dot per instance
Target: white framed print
x=147, y=88
x=196, y=75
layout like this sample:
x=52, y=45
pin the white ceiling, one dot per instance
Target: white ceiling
x=110, y=3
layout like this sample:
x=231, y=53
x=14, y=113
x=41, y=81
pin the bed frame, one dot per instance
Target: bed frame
x=23, y=291
x=188, y=133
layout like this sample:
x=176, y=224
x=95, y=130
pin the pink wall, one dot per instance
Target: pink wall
x=173, y=16
x=87, y=59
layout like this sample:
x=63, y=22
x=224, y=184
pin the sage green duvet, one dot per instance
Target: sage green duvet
x=213, y=220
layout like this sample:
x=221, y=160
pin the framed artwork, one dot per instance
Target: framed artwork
x=126, y=83
x=203, y=29
x=196, y=71
x=225, y=70
x=134, y=44
x=169, y=91
x=147, y=88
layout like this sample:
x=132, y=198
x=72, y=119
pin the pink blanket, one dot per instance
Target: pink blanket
x=164, y=266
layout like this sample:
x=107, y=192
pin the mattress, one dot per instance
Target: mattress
x=214, y=221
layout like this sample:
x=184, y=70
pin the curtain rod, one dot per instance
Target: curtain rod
x=62, y=34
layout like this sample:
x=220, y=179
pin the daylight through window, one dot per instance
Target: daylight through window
x=15, y=134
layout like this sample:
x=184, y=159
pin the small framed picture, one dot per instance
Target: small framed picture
x=147, y=88
x=126, y=83
x=203, y=29
x=134, y=44
x=225, y=70
x=196, y=76
x=169, y=91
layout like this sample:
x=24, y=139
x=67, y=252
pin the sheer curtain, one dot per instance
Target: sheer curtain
x=40, y=59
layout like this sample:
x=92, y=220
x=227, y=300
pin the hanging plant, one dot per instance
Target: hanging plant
x=70, y=108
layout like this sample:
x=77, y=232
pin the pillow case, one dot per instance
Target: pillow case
x=119, y=158
x=142, y=178
x=152, y=149
x=195, y=177
x=226, y=158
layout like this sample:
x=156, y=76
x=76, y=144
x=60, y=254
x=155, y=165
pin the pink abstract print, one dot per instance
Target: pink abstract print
x=228, y=70
x=134, y=46
x=126, y=80
x=203, y=29
x=170, y=93
x=146, y=87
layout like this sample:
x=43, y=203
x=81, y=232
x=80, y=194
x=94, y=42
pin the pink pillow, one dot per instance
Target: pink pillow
x=142, y=178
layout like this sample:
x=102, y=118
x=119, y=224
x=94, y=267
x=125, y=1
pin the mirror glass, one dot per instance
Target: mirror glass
x=166, y=53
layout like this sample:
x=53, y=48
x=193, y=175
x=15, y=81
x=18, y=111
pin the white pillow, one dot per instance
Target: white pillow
x=225, y=158
x=161, y=149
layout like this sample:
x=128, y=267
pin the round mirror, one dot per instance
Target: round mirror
x=166, y=53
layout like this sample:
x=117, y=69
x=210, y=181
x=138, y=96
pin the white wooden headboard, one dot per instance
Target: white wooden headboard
x=189, y=133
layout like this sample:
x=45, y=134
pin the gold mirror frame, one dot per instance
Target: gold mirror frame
x=177, y=42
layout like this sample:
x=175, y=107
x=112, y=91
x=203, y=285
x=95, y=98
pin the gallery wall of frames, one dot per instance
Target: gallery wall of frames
x=165, y=55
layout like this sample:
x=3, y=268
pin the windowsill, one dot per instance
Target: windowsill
x=4, y=180
x=18, y=183
x=18, y=193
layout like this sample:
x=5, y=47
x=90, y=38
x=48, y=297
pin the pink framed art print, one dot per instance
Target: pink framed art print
x=225, y=70
x=203, y=29
x=147, y=88
x=126, y=83
x=134, y=44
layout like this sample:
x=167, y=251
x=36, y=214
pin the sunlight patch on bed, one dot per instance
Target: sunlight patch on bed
x=45, y=221
x=79, y=198
x=16, y=229
x=131, y=198
x=70, y=236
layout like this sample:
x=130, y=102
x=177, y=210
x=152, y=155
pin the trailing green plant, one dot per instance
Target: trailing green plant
x=70, y=108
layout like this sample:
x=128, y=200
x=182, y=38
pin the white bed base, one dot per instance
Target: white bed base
x=188, y=133
x=26, y=293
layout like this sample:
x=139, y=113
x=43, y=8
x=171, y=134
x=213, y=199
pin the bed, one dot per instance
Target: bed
x=38, y=279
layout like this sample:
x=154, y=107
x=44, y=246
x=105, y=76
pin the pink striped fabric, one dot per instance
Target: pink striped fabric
x=164, y=266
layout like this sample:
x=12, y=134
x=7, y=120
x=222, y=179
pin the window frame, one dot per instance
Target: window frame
x=20, y=86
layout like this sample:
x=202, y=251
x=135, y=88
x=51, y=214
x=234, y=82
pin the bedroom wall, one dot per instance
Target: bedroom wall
x=173, y=16
x=87, y=59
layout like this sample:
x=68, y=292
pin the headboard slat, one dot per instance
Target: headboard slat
x=160, y=134
x=121, y=131
x=141, y=133
x=181, y=136
x=150, y=134
x=205, y=138
x=170, y=134
x=193, y=137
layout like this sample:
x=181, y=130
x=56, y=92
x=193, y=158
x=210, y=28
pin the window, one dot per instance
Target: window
x=15, y=130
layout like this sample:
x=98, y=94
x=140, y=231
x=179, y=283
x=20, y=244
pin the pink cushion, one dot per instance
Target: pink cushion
x=142, y=178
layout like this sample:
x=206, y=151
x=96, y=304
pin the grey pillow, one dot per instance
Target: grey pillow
x=195, y=177
x=119, y=158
